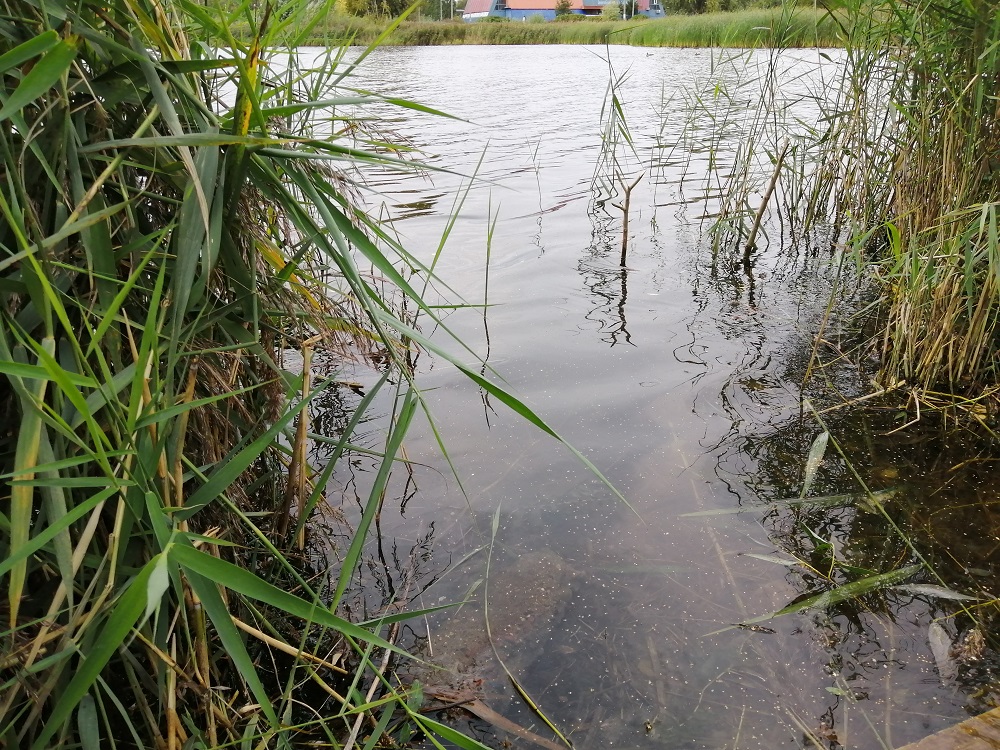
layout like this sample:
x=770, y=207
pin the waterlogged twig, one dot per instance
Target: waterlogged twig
x=484, y=712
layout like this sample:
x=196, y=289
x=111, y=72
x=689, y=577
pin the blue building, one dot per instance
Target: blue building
x=522, y=10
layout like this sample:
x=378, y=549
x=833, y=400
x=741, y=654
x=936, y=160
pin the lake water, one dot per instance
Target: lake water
x=678, y=375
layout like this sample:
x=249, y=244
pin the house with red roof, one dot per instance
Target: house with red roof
x=522, y=10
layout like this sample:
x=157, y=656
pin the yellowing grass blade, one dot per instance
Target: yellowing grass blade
x=22, y=495
x=816, y=454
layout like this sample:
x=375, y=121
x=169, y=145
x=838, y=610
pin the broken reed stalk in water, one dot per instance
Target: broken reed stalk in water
x=752, y=238
x=624, y=208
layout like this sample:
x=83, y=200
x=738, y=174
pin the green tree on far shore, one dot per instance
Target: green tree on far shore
x=437, y=10
x=382, y=8
x=563, y=7
x=612, y=11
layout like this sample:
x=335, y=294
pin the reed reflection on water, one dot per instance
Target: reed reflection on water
x=678, y=374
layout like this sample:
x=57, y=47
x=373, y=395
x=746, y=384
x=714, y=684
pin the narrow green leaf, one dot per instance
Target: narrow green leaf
x=110, y=313
x=123, y=616
x=88, y=725
x=85, y=222
x=773, y=559
x=68, y=482
x=45, y=536
x=192, y=140
x=849, y=498
x=56, y=507
x=319, y=489
x=218, y=612
x=38, y=372
x=843, y=593
x=448, y=734
x=11, y=260
x=393, y=443
x=197, y=66
x=714, y=512
x=42, y=77
x=157, y=584
x=188, y=242
x=162, y=415
x=939, y=592
x=27, y=50
x=73, y=395
x=408, y=614
x=379, y=730
x=65, y=463
x=244, y=582
x=106, y=394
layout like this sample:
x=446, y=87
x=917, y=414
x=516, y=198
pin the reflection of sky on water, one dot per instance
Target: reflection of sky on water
x=677, y=375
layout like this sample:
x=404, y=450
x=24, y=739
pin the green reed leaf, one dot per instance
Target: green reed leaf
x=394, y=442
x=39, y=372
x=843, y=593
x=252, y=586
x=26, y=50
x=448, y=734
x=122, y=617
x=88, y=724
x=42, y=77
x=54, y=528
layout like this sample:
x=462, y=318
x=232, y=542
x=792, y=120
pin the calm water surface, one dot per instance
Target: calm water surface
x=678, y=377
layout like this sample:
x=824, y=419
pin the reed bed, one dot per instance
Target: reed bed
x=903, y=168
x=942, y=253
x=178, y=219
x=748, y=29
x=739, y=29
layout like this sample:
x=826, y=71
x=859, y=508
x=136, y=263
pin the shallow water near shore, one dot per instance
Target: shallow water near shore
x=679, y=376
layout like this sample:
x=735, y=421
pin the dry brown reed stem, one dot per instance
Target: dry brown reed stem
x=287, y=649
x=752, y=238
x=935, y=332
x=295, y=486
x=625, y=211
x=181, y=435
x=174, y=729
